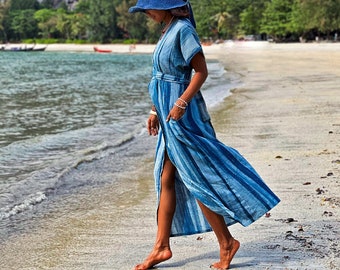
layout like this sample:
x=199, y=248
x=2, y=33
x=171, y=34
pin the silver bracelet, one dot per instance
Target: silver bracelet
x=153, y=112
x=181, y=107
x=186, y=103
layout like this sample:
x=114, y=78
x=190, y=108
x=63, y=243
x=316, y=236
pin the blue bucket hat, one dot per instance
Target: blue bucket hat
x=143, y=5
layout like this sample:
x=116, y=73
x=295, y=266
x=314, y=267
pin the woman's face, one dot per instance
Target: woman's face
x=156, y=15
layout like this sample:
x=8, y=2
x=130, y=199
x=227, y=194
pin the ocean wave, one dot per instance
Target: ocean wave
x=52, y=179
x=27, y=204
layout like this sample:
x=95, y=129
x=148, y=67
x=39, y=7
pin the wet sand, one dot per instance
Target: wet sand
x=285, y=119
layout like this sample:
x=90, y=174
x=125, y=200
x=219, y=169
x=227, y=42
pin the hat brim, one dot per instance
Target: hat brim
x=136, y=9
x=143, y=7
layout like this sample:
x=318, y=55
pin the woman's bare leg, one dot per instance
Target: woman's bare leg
x=228, y=245
x=167, y=204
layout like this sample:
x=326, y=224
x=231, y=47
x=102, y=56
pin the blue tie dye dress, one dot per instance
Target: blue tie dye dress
x=207, y=170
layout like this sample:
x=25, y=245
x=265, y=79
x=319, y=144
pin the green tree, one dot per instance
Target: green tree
x=102, y=19
x=71, y=25
x=82, y=7
x=277, y=19
x=23, y=24
x=106, y=20
x=251, y=16
x=235, y=9
x=47, y=22
x=132, y=25
x=219, y=18
x=319, y=15
x=3, y=12
x=47, y=4
x=209, y=15
x=4, y=8
x=79, y=26
x=24, y=4
x=64, y=23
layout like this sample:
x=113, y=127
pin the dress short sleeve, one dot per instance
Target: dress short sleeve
x=190, y=43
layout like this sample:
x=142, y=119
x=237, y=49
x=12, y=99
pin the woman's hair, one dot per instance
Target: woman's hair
x=181, y=12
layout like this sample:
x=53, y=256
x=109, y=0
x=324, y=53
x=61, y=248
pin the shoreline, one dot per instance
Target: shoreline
x=114, y=48
x=285, y=119
x=212, y=49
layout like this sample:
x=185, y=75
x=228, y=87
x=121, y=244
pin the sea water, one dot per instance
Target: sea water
x=61, y=113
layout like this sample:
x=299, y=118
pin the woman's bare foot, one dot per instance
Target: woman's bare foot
x=157, y=256
x=226, y=256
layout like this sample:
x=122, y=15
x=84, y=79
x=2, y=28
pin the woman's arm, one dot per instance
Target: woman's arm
x=201, y=73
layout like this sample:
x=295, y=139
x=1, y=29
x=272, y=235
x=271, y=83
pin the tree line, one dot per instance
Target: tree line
x=107, y=21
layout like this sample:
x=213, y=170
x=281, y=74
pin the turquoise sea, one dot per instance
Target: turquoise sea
x=62, y=113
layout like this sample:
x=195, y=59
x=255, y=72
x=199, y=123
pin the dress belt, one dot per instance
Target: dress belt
x=169, y=78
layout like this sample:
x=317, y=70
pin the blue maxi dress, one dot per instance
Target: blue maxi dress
x=207, y=170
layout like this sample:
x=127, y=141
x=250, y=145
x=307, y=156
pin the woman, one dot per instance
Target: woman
x=201, y=184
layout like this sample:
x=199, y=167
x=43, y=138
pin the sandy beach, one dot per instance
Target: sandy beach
x=284, y=117
x=115, y=48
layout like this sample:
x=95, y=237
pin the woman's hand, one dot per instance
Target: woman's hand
x=176, y=113
x=153, y=125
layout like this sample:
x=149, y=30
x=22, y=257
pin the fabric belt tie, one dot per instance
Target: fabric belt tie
x=170, y=78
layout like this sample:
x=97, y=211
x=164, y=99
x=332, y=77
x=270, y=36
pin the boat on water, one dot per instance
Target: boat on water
x=22, y=49
x=96, y=49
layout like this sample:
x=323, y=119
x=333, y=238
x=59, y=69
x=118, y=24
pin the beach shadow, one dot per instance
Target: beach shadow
x=203, y=257
x=252, y=255
x=300, y=244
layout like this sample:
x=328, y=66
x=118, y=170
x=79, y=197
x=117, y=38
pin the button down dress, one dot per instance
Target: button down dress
x=207, y=170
